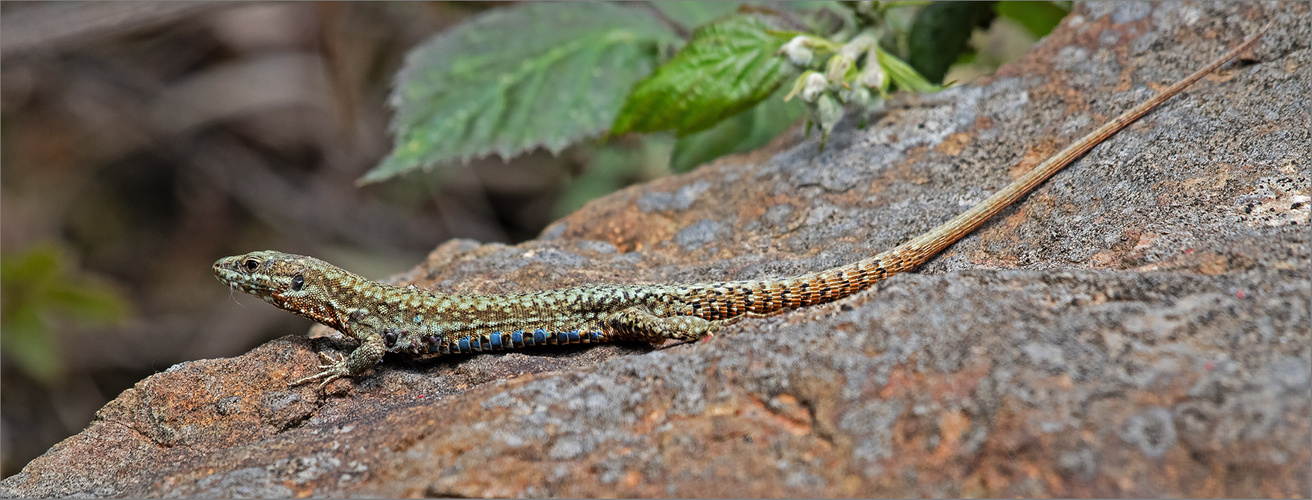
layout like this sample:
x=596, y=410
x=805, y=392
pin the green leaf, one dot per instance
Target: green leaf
x=899, y=5
x=532, y=75
x=1037, y=17
x=728, y=66
x=745, y=131
x=941, y=34
x=691, y=14
x=786, y=35
x=903, y=75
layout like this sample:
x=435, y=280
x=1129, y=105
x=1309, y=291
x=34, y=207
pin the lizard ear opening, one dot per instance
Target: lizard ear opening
x=298, y=281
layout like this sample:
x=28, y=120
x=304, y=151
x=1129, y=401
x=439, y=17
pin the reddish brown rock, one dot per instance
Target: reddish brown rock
x=1136, y=327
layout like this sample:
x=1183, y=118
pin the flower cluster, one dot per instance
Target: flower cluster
x=851, y=76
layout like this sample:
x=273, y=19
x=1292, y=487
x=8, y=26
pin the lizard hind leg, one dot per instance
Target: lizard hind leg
x=638, y=323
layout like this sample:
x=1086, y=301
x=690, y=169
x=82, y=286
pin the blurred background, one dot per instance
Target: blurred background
x=141, y=141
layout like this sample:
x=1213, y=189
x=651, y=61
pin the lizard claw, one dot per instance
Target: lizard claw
x=332, y=361
x=334, y=367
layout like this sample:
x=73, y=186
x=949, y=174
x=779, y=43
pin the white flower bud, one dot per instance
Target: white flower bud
x=873, y=76
x=797, y=51
x=828, y=112
x=814, y=86
x=858, y=96
x=862, y=43
x=838, y=66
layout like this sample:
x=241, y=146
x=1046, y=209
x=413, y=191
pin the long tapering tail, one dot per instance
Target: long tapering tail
x=730, y=299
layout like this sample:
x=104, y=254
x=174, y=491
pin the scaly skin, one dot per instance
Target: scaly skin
x=385, y=318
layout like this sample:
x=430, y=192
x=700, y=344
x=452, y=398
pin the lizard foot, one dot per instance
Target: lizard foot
x=668, y=343
x=334, y=367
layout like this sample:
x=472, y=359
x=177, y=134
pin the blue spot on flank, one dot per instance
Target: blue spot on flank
x=595, y=336
x=574, y=336
x=540, y=336
x=464, y=344
x=478, y=347
x=496, y=340
x=517, y=338
x=418, y=318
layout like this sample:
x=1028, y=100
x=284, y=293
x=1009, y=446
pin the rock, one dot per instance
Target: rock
x=1138, y=326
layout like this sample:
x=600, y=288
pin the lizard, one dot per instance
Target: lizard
x=385, y=318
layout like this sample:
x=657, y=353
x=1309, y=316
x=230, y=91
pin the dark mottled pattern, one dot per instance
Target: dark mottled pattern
x=386, y=318
x=420, y=322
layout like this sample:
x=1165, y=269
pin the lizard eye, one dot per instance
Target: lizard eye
x=298, y=281
x=250, y=264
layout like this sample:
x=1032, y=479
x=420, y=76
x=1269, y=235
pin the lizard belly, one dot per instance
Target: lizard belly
x=486, y=340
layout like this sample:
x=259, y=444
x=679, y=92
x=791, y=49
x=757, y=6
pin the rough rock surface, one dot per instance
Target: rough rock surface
x=1139, y=326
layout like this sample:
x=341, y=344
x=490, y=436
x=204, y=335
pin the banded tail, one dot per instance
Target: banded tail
x=730, y=299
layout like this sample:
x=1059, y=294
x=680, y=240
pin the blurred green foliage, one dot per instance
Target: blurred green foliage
x=689, y=14
x=742, y=132
x=41, y=288
x=518, y=78
x=1037, y=17
x=556, y=75
x=613, y=165
x=941, y=33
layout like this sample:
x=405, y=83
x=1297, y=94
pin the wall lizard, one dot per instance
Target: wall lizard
x=386, y=318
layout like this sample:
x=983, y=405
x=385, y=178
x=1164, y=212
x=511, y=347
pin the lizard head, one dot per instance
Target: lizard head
x=293, y=282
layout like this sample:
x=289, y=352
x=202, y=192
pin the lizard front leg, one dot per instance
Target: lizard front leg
x=364, y=357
